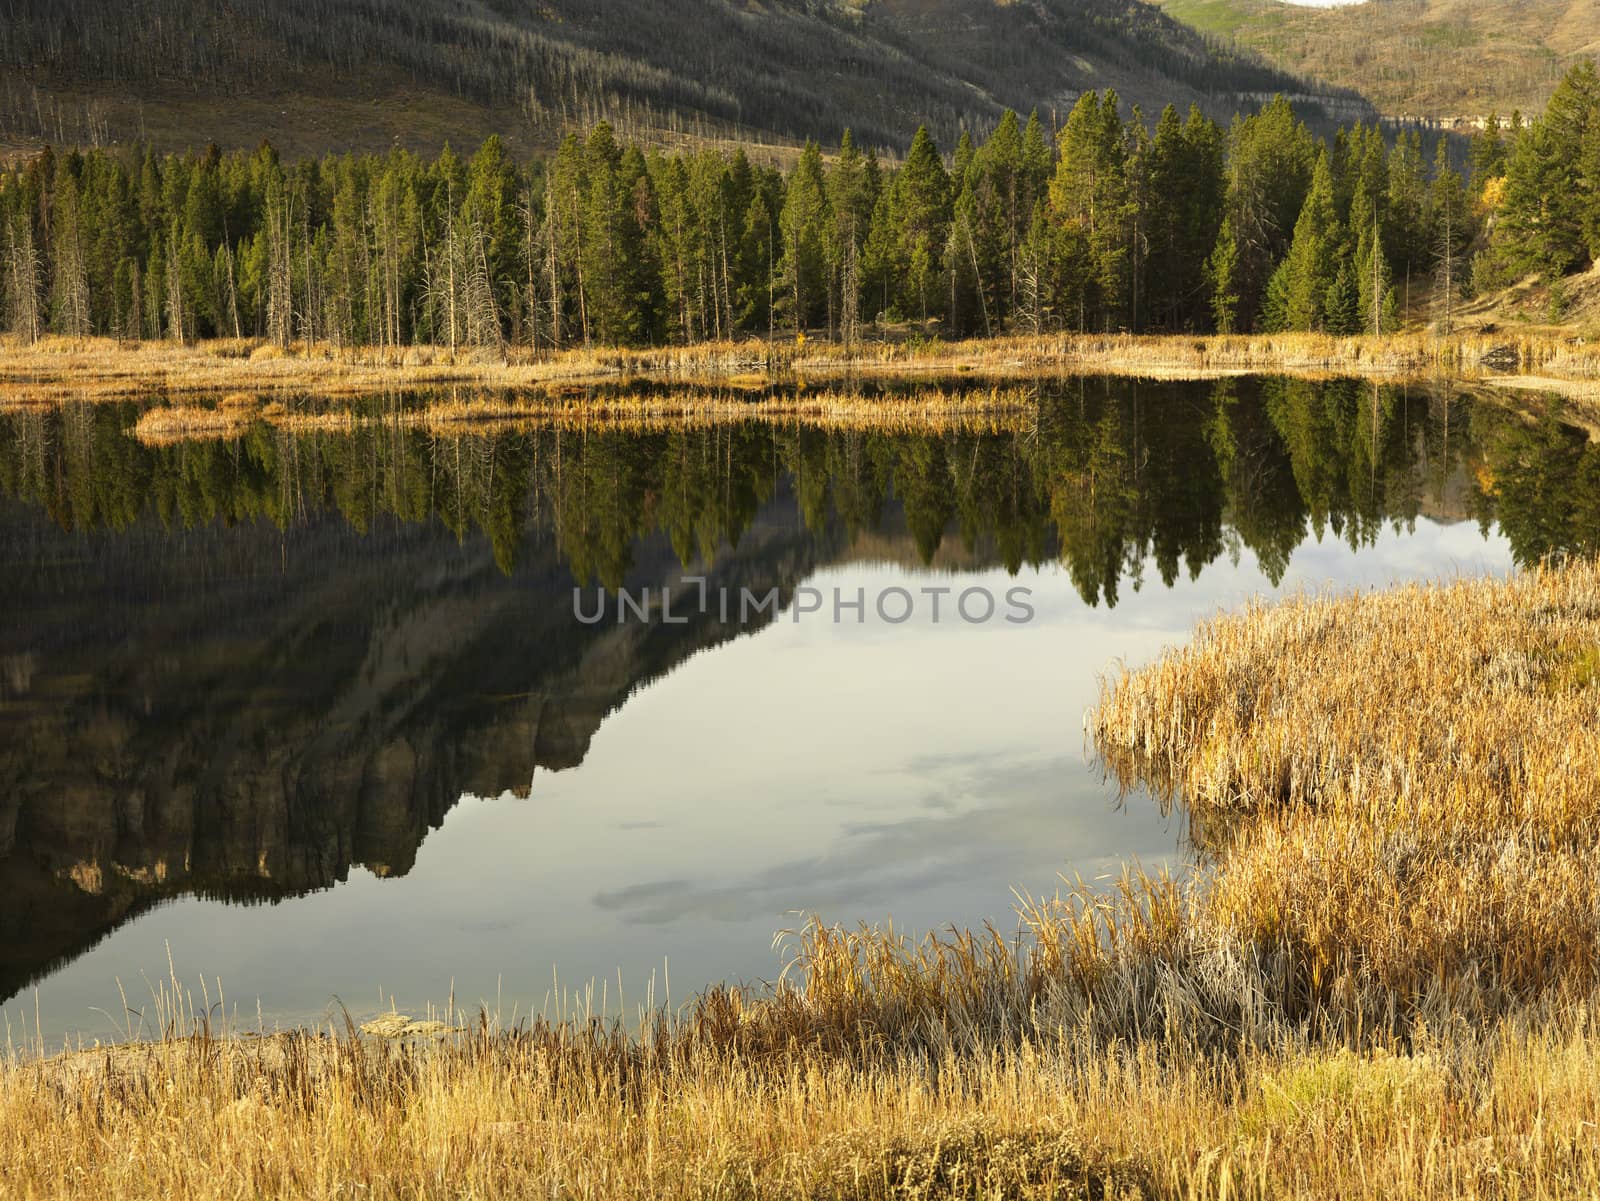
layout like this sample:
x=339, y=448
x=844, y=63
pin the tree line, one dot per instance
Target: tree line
x=1110, y=225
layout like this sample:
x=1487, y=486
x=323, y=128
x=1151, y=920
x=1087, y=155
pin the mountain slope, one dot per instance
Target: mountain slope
x=1448, y=59
x=330, y=72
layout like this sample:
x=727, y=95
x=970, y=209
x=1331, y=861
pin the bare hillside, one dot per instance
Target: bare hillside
x=317, y=74
x=1450, y=59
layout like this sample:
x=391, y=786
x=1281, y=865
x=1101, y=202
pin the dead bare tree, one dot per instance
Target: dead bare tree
x=22, y=281
x=280, y=271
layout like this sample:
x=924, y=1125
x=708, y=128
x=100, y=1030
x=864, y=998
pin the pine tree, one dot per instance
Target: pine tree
x=1170, y=175
x=850, y=203
x=1447, y=202
x=1038, y=164
x=1488, y=154
x=803, y=225
x=1182, y=212
x=1275, y=301
x=1090, y=194
x=964, y=269
x=1368, y=267
x=278, y=234
x=605, y=238
x=1375, y=295
x=1222, y=276
x=639, y=222
x=1406, y=216
x=177, y=304
x=564, y=241
x=1035, y=271
x=227, y=292
x=1313, y=260
x=678, y=250
x=1540, y=225
x=155, y=287
x=489, y=204
x=757, y=265
x=999, y=215
x=1271, y=156
x=919, y=216
x=1138, y=153
x=69, y=301
x=1342, y=309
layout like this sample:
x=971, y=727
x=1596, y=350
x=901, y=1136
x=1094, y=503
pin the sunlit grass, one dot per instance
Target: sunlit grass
x=1399, y=789
x=1384, y=979
x=57, y=369
x=885, y=1069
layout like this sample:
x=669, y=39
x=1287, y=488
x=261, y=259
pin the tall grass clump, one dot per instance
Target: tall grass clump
x=167, y=424
x=1399, y=791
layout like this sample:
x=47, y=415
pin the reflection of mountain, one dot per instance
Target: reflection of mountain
x=240, y=669
x=245, y=713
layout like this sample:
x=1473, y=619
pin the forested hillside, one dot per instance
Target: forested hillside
x=1113, y=225
x=1447, y=59
x=341, y=74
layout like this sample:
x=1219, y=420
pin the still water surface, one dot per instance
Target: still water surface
x=315, y=713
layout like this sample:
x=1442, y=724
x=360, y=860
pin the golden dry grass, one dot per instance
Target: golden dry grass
x=1399, y=789
x=57, y=369
x=183, y=423
x=701, y=1106
x=1384, y=982
x=926, y=409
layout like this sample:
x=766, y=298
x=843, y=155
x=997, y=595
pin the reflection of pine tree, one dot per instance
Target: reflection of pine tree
x=1544, y=486
x=1092, y=503
x=1108, y=481
x=923, y=482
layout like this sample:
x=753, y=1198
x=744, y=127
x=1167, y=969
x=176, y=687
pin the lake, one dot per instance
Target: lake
x=328, y=717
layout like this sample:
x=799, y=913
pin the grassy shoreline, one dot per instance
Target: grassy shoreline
x=58, y=369
x=1388, y=980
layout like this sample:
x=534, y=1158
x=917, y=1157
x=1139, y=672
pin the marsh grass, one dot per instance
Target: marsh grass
x=815, y=1092
x=1381, y=981
x=1400, y=791
x=56, y=369
x=190, y=422
x=827, y=407
x=458, y=410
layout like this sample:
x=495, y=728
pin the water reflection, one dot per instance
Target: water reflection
x=240, y=669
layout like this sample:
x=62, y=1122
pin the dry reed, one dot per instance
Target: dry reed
x=1383, y=981
x=921, y=410
x=57, y=369
x=182, y=423
x=1399, y=789
x=688, y=1107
